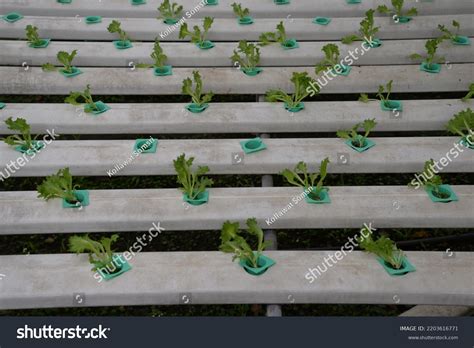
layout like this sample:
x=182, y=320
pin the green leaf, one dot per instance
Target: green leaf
x=48, y=67
x=57, y=186
x=239, y=11
x=193, y=183
x=168, y=11
x=32, y=35
x=364, y=98
x=384, y=248
x=66, y=59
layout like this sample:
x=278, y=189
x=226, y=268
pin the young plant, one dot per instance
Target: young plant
x=33, y=38
x=279, y=36
x=331, y=60
x=115, y=27
x=240, y=12
x=198, y=36
x=157, y=55
x=301, y=81
x=100, y=252
x=299, y=176
x=24, y=139
x=430, y=59
x=353, y=135
x=65, y=59
x=432, y=183
x=366, y=33
x=385, y=101
x=462, y=124
x=469, y=94
x=193, y=183
x=58, y=186
x=197, y=95
x=74, y=98
x=397, y=12
x=170, y=13
x=384, y=248
x=247, y=56
x=232, y=242
x=453, y=36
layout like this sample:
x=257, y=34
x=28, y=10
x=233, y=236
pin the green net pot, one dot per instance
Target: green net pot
x=82, y=199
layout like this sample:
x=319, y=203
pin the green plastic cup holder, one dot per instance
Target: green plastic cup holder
x=344, y=70
x=64, y=1
x=74, y=72
x=205, y=45
x=263, y=263
x=374, y=43
x=35, y=148
x=461, y=40
x=367, y=144
x=2, y=105
x=253, y=145
x=281, y=2
x=201, y=198
x=445, y=194
x=251, y=71
x=93, y=19
x=403, y=19
x=164, y=70
x=212, y=2
x=465, y=142
x=12, y=17
x=170, y=21
x=196, y=108
x=100, y=107
x=41, y=44
x=405, y=268
x=322, y=20
x=353, y=2
x=290, y=44
x=138, y=2
x=145, y=145
x=82, y=199
x=245, y=20
x=391, y=105
x=432, y=68
x=122, y=45
x=120, y=267
x=297, y=108
x=321, y=197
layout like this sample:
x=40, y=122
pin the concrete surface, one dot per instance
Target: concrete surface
x=21, y=212
x=163, y=278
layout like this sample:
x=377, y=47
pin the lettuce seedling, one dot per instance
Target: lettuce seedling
x=157, y=55
x=469, y=94
x=23, y=139
x=430, y=58
x=300, y=177
x=65, y=59
x=198, y=36
x=232, y=242
x=353, y=135
x=115, y=27
x=100, y=252
x=387, y=89
x=462, y=123
x=279, y=36
x=301, y=81
x=170, y=12
x=247, y=55
x=58, y=186
x=331, y=52
x=239, y=11
x=197, y=97
x=86, y=96
x=430, y=184
x=32, y=36
x=193, y=183
x=367, y=30
x=448, y=34
x=384, y=248
x=397, y=12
